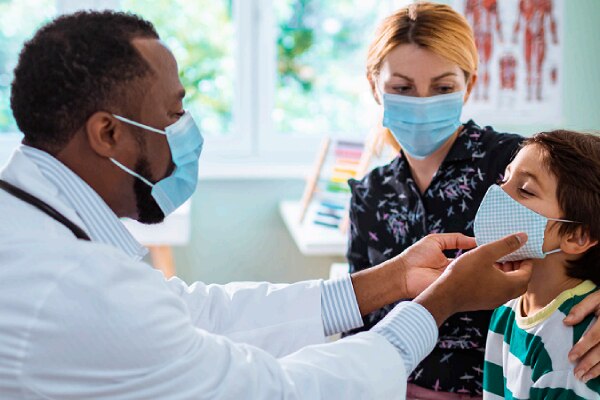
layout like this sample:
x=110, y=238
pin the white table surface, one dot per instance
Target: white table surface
x=312, y=239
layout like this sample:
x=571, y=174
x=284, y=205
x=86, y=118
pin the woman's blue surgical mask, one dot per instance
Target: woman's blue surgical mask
x=500, y=215
x=185, y=142
x=421, y=125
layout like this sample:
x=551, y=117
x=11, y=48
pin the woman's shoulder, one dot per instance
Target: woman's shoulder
x=490, y=137
x=377, y=182
x=380, y=175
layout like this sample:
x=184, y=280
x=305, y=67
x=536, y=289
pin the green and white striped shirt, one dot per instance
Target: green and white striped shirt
x=527, y=357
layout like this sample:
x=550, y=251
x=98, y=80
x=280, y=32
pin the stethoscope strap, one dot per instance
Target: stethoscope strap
x=45, y=208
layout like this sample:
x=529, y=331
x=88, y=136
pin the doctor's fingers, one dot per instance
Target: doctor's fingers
x=451, y=241
x=499, y=277
x=518, y=280
x=499, y=287
x=490, y=253
x=508, y=266
x=478, y=269
x=483, y=286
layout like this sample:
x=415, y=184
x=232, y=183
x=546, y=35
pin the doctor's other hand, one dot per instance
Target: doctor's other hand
x=424, y=261
x=473, y=282
x=407, y=274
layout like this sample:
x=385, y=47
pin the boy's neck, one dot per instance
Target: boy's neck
x=548, y=279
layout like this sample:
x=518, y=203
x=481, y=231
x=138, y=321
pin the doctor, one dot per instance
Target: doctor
x=99, y=101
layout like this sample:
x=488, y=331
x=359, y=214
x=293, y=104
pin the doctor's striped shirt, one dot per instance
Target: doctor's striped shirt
x=527, y=357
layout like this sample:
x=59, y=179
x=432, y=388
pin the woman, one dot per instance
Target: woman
x=422, y=67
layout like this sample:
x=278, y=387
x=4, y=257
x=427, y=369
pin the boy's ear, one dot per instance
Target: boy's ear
x=577, y=242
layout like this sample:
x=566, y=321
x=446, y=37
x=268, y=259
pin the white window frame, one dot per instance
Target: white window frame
x=254, y=139
x=254, y=148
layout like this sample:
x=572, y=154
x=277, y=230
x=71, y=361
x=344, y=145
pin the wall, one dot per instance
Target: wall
x=237, y=234
x=582, y=65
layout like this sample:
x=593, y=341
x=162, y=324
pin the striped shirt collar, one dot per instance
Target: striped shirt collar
x=101, y=223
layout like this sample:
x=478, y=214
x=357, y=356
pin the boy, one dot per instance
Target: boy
x=551, y=191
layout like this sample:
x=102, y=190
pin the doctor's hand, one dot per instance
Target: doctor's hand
x=408, y=274
x=424, y=261
x=473, y=282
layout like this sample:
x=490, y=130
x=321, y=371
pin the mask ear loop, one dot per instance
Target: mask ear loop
x=124, y=168
x=559, y=220
x=563, y=220
x=552, y=252
x=133, y=173
x=149, y=128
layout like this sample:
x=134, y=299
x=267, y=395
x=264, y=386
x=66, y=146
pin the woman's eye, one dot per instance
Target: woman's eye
x=403, y=89
x=445, y=89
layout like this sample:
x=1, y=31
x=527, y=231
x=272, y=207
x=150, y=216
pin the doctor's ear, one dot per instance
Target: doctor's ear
x=373, y=82
x=470, y=85
x=577, y=242
x=104, y=133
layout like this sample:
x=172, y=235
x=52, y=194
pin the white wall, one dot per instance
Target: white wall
x=237, y=234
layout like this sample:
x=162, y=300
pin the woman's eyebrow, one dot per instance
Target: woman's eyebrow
x=403, y=77
x=445, y=74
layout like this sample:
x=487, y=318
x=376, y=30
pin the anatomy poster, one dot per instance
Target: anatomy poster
x=520, y=60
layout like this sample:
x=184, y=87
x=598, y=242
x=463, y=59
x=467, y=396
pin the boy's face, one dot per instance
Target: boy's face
x=528, y=181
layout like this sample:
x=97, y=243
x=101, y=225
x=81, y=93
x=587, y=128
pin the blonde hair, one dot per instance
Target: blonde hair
x=431, y=26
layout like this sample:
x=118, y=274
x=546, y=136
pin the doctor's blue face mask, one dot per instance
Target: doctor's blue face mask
x=185, y=142
x=421, y=125
x=500, y=215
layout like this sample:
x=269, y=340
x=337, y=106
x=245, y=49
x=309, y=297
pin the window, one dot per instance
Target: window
x=266, y=79
x=201, y=35
x=321, y=52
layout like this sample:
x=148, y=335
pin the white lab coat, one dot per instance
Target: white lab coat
x=81, y=320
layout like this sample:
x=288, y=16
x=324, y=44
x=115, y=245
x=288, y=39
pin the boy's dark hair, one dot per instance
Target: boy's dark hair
x=74, y=66
x=574, y=158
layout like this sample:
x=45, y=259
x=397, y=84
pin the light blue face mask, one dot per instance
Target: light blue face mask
x=185, y=142
x=421, y=125
x=500, y=215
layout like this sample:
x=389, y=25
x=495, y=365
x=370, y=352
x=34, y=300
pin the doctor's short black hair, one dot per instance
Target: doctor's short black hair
x=74, y=66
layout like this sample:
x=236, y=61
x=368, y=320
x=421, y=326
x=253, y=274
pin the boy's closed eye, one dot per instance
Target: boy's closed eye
x=521, y=189
x=524, y=192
